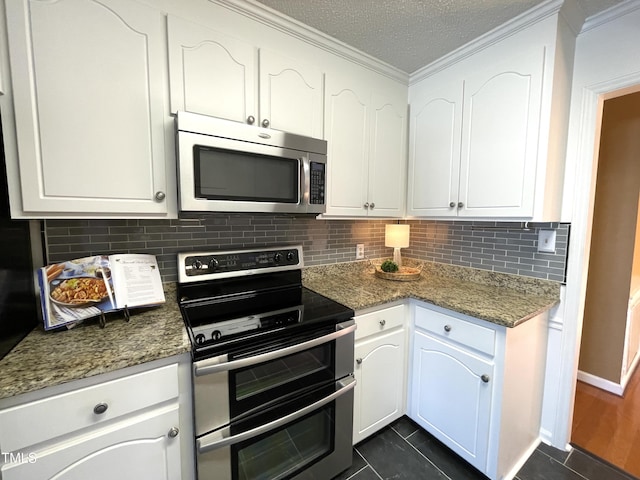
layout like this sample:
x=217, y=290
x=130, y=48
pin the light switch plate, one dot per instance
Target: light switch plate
x=547, y=241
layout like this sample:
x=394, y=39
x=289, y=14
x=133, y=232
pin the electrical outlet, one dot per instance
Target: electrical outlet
x=359, y=251
x=547, y=241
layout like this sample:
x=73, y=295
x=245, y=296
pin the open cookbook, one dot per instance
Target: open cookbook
x=87, y=287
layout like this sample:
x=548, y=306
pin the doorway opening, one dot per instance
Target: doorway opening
x=606, y=420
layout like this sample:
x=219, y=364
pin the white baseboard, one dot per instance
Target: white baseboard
x=599, y=382
x=521, y=461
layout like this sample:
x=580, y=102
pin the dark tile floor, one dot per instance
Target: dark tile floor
x=404, y=451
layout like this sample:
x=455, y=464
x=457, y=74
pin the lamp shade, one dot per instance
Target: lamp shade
x=396, y=236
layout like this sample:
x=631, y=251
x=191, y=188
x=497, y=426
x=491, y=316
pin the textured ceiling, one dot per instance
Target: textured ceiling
x=410, y=34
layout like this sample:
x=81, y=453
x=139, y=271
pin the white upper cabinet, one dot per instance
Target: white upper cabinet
x=211, y=73
x=483, y=140
x=366, y=134
x=88, y=89
x=214, y=74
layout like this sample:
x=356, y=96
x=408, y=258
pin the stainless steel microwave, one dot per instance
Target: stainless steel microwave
x=225, y=166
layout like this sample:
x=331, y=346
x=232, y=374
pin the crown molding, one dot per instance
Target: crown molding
x=610, y=14
x=521, y=22
x=276, y=20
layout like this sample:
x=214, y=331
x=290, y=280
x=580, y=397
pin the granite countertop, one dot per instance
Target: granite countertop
x=50, y=358
x=503, y=299
x=46, y=359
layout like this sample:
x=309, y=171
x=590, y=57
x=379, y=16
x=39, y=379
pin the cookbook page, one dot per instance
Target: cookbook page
x=74, y=290
x=136, y=280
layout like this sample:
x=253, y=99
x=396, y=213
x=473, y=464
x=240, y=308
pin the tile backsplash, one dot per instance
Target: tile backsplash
x=472, y=244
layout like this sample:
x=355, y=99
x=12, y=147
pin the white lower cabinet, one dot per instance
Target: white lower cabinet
x=137, y=449
x=380, y=370
x=135, y=427
x=477, y=386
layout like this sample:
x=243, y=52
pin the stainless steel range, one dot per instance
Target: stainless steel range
x=272, y=367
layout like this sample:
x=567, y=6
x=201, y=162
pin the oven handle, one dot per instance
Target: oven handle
x=220, y=363
x=219, y=439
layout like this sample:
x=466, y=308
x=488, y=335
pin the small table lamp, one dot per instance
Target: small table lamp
x=396, y=236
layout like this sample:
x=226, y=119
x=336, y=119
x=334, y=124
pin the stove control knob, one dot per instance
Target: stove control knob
x=197, y=264
x=200, y=339
x=216, y=335
x=213, y=264
x=277, y=257
x=291, y=256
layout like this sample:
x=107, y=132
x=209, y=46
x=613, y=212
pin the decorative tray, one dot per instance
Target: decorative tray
x=405, y=274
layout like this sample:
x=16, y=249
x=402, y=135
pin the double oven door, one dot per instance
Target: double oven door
x=279, y=409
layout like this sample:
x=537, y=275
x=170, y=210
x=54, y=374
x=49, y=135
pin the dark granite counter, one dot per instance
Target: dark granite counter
x=45, y=359
x=502, y=299
x=50, y=358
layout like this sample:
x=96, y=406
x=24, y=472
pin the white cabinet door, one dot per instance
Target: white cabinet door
x=348, y=147
x=449, y=397
x=89, y=83
x=211, y=73
x=387, y=157
x=291, y=95
x=378, y=396
x=501, y=120
x=138, y=449
x=434, y=155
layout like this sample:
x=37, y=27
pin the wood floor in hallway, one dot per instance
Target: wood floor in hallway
x=608, y=425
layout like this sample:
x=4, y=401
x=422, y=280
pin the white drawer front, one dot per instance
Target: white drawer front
x=454, y=329
x=380, y=321
x=38, y=421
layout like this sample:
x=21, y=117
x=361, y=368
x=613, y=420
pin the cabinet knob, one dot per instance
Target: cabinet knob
x=383, y=322
x=266, y=123
x=173, y=432
x=251, y=119
x=452, y=204
x=160, y=196
x=485, y=378
x=358, y=361
x=372, y=206
x=447, y=328
x=100, y=408
x=366, y=205
x=460, y=204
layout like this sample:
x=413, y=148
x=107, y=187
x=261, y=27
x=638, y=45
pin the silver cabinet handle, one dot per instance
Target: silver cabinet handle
x=447, y=328
x=160, y=196
x=366, y=205
x=460, y=204
x=251, y=119
x=266, y=123
x=383, y=322
x=452, y=204
x=220, y=438
x=372, y=206
x=100, y=408
x=485, y=378
x=173, y=433
x=358, y=361
x=221, y=364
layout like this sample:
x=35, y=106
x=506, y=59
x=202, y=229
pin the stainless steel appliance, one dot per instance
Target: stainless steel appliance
x=234, y=167
x=272, y=367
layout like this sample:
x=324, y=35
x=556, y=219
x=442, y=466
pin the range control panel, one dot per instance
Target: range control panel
x=209, y=265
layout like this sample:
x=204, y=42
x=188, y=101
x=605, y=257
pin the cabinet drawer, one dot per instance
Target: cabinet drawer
x=38, y=421
x=454, y=329
x=380, y=321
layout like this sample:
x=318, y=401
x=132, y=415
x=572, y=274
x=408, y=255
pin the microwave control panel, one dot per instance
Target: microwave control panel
x=316, y=183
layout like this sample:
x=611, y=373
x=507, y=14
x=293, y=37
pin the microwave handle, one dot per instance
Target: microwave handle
x=303, y=172
x=218, y=364
x=220, y=437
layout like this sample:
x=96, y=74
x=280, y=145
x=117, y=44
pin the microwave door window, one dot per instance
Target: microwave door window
x=241, y=176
